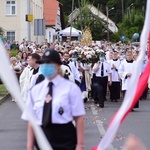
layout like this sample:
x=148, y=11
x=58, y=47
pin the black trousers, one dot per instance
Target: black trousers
x=60, y=136
x=136, y=105
x=144, y=95
x=102, y=88
x=115, y=91
x=77, y=83
x=93, y=87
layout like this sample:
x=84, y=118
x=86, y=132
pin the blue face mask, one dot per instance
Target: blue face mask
x=101, y=59
x=48, y=70
x=74, y=59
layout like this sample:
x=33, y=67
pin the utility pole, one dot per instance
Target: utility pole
x=129, y=10
x=80, y=15
x=107, y=24
x=107, y=14
x=29, y=25
x=122, y=1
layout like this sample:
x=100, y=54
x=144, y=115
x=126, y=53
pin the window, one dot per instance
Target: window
x=10, y=7
x=10, y=35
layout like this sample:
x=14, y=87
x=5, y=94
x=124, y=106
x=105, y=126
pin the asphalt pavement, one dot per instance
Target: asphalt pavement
x=13, y=129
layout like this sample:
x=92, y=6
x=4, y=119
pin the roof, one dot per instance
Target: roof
x=50, y=12
x=111, y=25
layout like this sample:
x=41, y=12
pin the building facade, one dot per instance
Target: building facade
x=13, y=18
x=54, y=18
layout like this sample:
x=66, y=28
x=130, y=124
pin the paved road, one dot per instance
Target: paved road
x=13, y=129
x=137, y=123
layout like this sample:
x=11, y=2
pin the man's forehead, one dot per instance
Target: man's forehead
x=129, y=54
x=29, y=57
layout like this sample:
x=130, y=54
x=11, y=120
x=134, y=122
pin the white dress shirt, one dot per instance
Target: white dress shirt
x=66, y=94
x=74, y=71
x=107, y=69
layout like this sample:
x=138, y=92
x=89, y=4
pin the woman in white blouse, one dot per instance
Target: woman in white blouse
x=16, y=66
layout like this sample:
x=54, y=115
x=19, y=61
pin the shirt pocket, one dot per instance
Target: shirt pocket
x=38, y=109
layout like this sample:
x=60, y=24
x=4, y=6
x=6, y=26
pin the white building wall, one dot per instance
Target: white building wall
x=50, y=32
x=17, y=22
x=22, y=30
x=37, y=11
x=58, y=22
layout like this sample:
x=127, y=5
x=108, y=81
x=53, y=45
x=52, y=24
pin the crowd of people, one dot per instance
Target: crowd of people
x=97, y=69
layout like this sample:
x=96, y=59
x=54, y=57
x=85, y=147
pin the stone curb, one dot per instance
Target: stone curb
x=4, y=98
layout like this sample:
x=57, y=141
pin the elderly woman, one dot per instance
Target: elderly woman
x=16, y=66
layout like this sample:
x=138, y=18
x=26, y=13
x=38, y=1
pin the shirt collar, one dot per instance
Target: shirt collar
x=131, y=61
x=55, y=81
x=115, y=59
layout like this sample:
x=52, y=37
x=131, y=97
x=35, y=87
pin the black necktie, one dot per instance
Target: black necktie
x=102, y=70
x=35, y=70
x=66, y=64
x=47, y=110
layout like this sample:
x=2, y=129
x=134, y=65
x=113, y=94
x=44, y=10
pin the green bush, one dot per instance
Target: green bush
x=14, y=52
x=3, y=90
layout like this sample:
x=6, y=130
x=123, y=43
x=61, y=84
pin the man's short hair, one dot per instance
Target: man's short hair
x=35, y=56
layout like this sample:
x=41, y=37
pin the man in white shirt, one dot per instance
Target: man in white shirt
x=102, y=70
x=28, y=77
x=115, y=87
x=72, y=67
x=125, y=71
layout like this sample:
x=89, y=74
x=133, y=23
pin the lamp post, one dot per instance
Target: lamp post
x=129, y=10
x=107, y=13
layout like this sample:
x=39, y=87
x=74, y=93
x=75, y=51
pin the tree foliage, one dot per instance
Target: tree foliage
x=131, y=24
x=89, y=20
x=1, y=32
x=116, y=14
x=127, y=24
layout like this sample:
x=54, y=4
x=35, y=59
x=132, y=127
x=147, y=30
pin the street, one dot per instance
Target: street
x=13, y=129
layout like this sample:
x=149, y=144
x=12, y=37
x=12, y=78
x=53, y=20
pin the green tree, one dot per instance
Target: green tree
x=2, y=32
x=132, y=23
x=67, y=6
x=127, y=25
x=87, y=19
